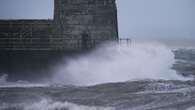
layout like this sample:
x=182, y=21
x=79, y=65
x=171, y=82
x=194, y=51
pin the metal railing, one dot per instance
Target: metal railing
x=126, y=41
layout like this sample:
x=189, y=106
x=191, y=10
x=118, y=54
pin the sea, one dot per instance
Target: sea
x=142, y=76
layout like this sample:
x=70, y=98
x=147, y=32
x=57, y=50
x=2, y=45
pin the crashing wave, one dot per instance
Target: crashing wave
x=118, y=63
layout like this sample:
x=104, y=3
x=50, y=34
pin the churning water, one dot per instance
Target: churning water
x=116, y=63
x=143, y=76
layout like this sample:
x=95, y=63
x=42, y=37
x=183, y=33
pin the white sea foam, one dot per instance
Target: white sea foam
x=46, y=104
x=115, y=63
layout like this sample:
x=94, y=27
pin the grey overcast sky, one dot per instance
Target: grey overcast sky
x=168, y=21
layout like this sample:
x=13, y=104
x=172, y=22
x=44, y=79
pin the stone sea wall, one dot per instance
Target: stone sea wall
x=31, y=47
x=77, y=24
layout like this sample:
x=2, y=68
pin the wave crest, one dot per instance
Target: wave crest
x=116, y=63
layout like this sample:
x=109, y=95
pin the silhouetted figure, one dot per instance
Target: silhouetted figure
x=85, y=40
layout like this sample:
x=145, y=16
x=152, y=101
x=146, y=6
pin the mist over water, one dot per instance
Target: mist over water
x=136, y=71
x=3, y=78
x=110, y=62
x=20, y=83
x=116, y=63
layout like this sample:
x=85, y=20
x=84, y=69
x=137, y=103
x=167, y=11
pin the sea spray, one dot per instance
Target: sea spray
x=4, y=83
x=3, y=78
x=116, y=63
